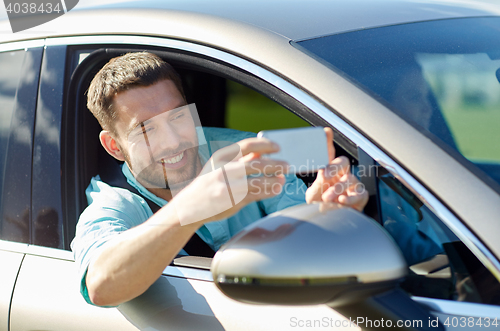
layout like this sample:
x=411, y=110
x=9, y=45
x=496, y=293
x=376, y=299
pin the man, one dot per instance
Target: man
x=139, y=102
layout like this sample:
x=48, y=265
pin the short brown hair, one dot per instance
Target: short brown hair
x=122, y=73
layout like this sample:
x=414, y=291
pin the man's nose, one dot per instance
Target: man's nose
x=169, y=138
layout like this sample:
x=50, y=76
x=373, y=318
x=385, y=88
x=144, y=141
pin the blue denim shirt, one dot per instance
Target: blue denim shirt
x=112, y=210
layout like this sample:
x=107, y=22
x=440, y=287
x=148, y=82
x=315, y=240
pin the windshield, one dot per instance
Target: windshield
x=440, y=76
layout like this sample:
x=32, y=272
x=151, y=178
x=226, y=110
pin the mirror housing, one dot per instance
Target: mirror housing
x=309, y=254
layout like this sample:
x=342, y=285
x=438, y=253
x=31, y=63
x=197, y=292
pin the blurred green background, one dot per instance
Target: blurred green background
x=476, y=131
x=247, y=110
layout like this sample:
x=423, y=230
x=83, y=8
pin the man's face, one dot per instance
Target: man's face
x=157, y=135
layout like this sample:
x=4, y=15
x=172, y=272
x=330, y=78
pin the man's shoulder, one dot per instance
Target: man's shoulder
x=106, y=200
x=98, y=187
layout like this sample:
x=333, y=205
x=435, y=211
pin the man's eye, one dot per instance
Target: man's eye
x=144, y=130
x=178, y=116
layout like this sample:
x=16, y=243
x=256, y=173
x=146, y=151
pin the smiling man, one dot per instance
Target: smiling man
x=160, y=139
x=121, y=246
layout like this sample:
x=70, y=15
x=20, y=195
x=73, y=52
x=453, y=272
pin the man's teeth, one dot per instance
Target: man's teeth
x=173, y=159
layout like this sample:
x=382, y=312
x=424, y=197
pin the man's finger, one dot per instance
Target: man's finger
x=327, y=178
x=244, y=147
x=337, y=168
x=318, y=187
x=346, y=182
x=266, y=167
x=264, y=187
x=356, y=201
x=258, y=145
x=225, y=155
x=329, y=142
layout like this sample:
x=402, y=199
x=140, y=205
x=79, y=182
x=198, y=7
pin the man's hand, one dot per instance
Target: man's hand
x=336, y=183
x=223, y=188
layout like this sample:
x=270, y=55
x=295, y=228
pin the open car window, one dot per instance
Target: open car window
x=224, y=97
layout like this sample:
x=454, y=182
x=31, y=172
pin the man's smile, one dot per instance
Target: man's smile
x=175, y=161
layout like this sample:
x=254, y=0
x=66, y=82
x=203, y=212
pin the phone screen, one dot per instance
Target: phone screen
x=305, y=149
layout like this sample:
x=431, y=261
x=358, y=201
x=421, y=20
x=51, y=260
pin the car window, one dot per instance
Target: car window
x=220, y=101
x=440, y=265
x=440, y=76
x=10, y=73
x=10, y=69
x=47, y=222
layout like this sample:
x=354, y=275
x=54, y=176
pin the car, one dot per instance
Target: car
x=411, y=90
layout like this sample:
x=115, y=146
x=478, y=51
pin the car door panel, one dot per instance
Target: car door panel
x=269, y=317
x=462, y=315
x=11, y=262
x=191, y=301
x=47, y=297
x=171, y=302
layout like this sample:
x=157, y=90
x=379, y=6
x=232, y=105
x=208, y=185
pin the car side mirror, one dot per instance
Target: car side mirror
x=309, y=254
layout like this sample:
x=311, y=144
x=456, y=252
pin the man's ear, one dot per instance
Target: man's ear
x=111, y=146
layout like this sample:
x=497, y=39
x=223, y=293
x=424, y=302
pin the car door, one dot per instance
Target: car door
x=444, y=275
x=186, y=296
x=34, y=246
x=465, y=274
x=430, y=84
x=20, y=65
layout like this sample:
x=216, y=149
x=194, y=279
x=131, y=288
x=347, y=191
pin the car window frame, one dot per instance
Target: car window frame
x=19, y=169
x=323, y=112
x=47, y=198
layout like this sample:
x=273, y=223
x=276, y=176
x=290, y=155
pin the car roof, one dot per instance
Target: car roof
x=306, y=19
x=294, y=20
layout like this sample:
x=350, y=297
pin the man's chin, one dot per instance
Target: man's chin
x=177, y=187
x=155, y=176
x=159, y=182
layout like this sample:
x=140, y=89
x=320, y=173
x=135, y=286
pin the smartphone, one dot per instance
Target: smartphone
x=305, y=149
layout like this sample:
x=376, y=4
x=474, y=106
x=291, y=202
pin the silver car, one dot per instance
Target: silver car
x=411, y=90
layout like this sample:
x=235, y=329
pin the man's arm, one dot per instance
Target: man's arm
x=129, y=263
